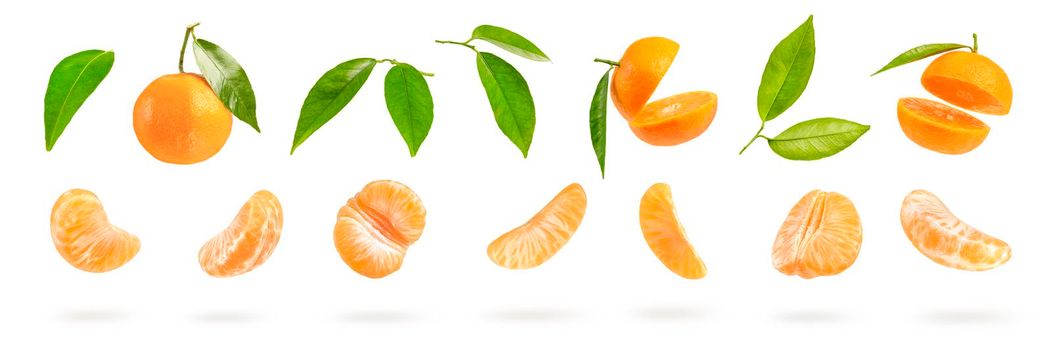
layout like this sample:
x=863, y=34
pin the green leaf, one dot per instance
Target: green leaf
x=71, y=82
x=409, y=103
x=329, y=95
x=919, y=53
x=510, y=99
x=787, y=71
x=510, y=41
x=816, y=138
x=598, y=121
x=227, y=79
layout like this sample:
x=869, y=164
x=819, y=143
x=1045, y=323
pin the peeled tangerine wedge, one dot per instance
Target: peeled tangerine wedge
x=673, y=120
x=542, y=236
x=940, y=128
x=664, y=234
x=376, y=227
x=820, y=237
x=248, y=241
x=940, y=236
x=85, y=238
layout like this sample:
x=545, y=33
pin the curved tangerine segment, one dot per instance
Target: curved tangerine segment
x=674, y=120
x=947, y=240
x=969, y=81
x=820, y=237
x=666, y=236
x=178, y=119
x=84, y=236
x=940, y=128
x=248, y=241
x=376, y=226
x=537, y=240
x=641, y=69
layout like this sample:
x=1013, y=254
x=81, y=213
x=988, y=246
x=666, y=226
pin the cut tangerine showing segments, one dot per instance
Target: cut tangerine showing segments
x=640, y=70
x=84, y=236
x=938, y=127
x=673, y=120
x=820, y=237
x=536, y=241
x=947, y=240
x=248, y=241
x=970, y=81
x=666, y=236
x=376, y=227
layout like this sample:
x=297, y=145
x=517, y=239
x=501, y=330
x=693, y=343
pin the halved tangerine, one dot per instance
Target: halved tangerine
x=940, y=128
x=666, y=236
x=640, y=71
x=248, y=241
x=376, y=227
x=820, y=237
x=947, y=240
x=673, y=120
x=970, y=81
x=536, y=241
x=84, y=236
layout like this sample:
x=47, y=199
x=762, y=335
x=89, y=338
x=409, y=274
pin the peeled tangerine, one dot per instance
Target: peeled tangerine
x=542, y=236
x=84, y=237
x=820, y=237
x=248, y=241
x=665, y=236
x=940, y=236
x=376, y=226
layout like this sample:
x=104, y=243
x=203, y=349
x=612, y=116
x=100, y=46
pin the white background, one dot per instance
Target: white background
x=605, y=288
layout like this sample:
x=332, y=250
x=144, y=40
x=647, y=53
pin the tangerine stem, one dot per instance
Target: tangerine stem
x=758, y=134
x=609, y=62
x=975, y=47
x=464, y=44
x=185, y=40
x=395, y=62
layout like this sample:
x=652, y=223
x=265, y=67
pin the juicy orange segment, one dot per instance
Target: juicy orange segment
x=940, y=128
x=542, y=236
x=248, y=241
x=946, y=240
x=640, y=71
x=970, y=81
x=820, y=237
x=665, y=235
x=376, y=227
x=673, y=120
x=84, y=236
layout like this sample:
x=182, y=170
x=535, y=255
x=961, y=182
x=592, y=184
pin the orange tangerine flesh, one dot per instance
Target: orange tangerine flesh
x=969, y=81
x=940, y=128
x=376, y=227
x=946, y=240
x=248, y=241
x=820, y=237
x=84, y=236
x=641, y=69
x=666, y=236
x=178, y=119
x=542, y=236
x=674, y=120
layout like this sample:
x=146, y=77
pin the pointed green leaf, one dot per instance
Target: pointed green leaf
x=787, y=71
x=510, y=41
x=329, y=95
x=409, y=103
x=598, y=121
x=816, y=138
x=227, y=79
x=71, y=82
x=919, y=53
x=510, y=99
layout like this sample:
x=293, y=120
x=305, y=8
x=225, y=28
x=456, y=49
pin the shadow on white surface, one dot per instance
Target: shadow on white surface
x=963, y=317
x=225, y=317
x=94, y=316
x=377, y=316
x=810, y=317
x=670, y=313
x=531, y=315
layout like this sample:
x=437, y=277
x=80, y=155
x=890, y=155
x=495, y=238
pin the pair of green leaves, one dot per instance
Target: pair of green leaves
x=409, y=100
x=507, y=90
x=784, y=80
x=71, y=82
x=225, y=75
x=924, y=51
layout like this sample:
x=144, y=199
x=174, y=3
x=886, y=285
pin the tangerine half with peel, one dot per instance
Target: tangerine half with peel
x=940, y=128
x=666, y=236
x=820, y=237
x=248, y=241
x=640, y=70
x=673, y=120
x=536, y=241
x=84, y=236
x=178, y=119
x=970, y=81
x=376, y=227
x=945, y=239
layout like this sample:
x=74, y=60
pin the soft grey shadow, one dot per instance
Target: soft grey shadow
x=375, y=316
x=957, y=317
x=810, y=316
x=670, y=313
x=531, y=315
x=225, y=317
x=90, y=316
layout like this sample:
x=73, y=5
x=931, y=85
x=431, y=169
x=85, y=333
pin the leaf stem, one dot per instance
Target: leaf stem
x=612, y=63
x=758, y=134
x=464, y=44
x=974, y=48
x=185, y=40
x=396, y=62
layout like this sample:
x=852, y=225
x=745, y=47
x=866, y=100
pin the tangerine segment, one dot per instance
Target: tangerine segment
x=640, y=71
x=665, y=235
x=542, y=236
x=969, y=81
x=946, y=240
x=674, y=120
x=178, y=119
x=248, y=241
x=940, y=128
x=820, y=237
x=377, y=225
x=84, y=236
